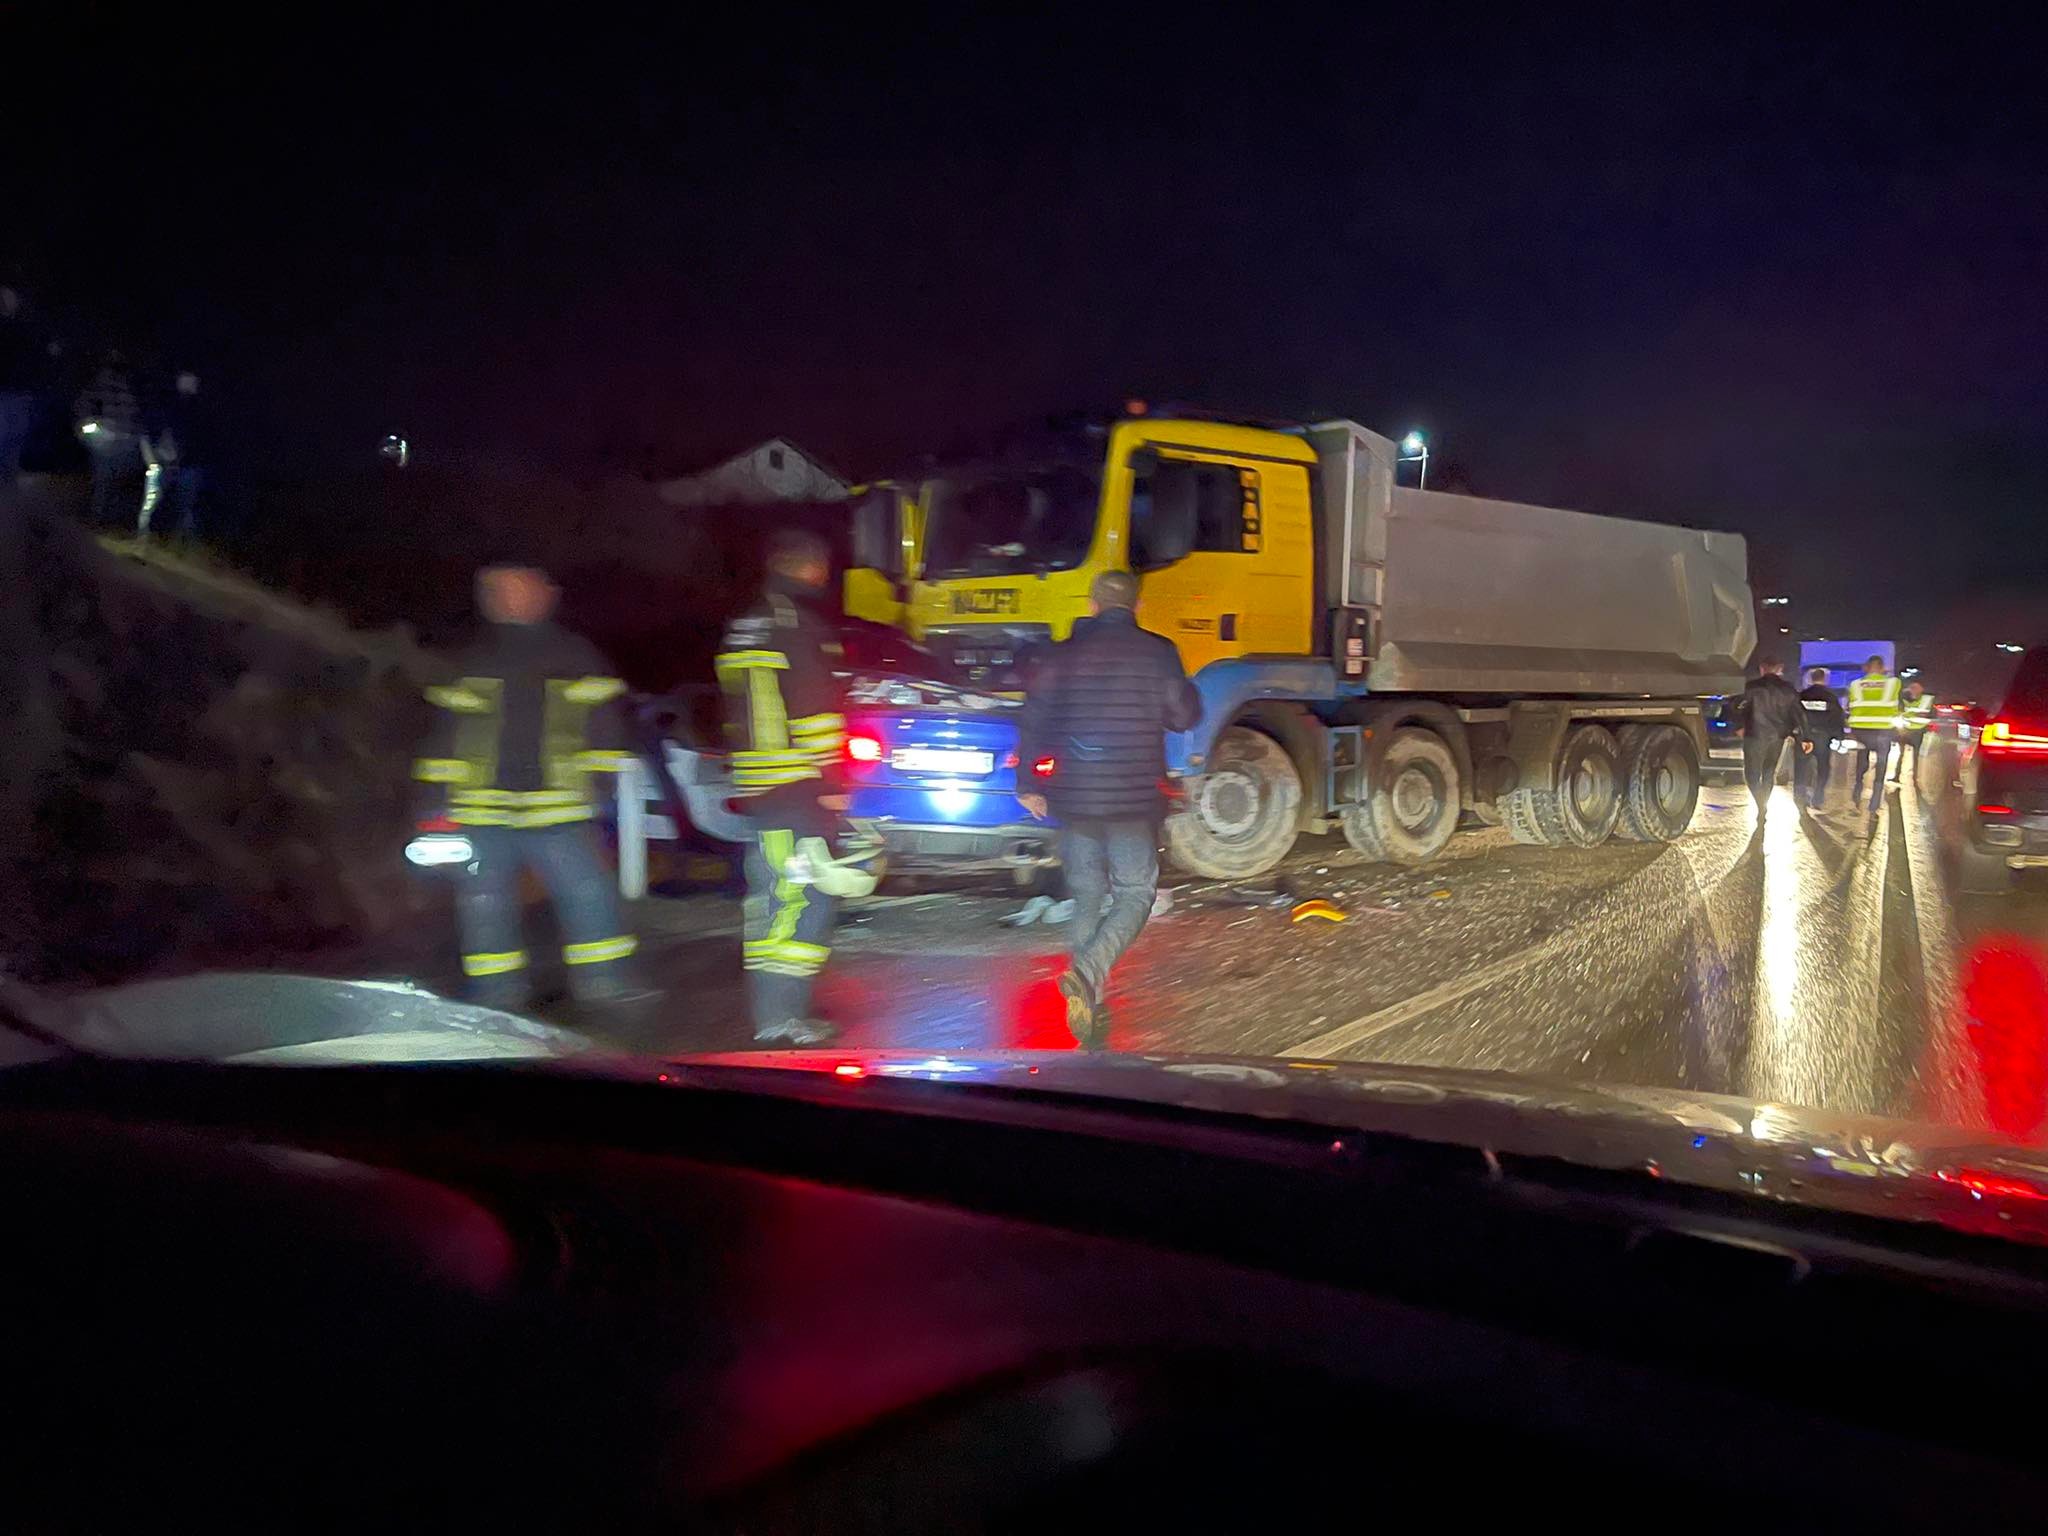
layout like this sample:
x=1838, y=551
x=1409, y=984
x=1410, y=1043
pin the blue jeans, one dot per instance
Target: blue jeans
x=595, y=944
x=1869, y=744
x=1116, y=859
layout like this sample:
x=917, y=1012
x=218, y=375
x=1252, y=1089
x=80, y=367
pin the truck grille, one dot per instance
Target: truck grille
x=987, y=655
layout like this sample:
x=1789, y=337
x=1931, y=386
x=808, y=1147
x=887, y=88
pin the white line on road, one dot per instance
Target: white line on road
x=1344, y=1036
x=1363, y=1028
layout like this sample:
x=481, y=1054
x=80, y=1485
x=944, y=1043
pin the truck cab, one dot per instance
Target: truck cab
x=887, y=527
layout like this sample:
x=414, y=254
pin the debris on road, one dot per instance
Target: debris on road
x=1329, y=912
x=1026, y=915
x=1254, y=896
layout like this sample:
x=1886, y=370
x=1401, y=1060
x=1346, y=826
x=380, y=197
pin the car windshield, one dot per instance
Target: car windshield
x=1006, y=524
x=644, y=554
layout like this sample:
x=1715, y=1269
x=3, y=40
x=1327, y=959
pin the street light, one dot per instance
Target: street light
x=1415, y=450
x=2015, y=649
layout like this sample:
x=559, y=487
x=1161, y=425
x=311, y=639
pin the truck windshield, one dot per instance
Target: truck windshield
x=1001, y=524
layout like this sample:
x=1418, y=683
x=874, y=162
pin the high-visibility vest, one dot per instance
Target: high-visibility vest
x=1874, y=703
x=1917, y=714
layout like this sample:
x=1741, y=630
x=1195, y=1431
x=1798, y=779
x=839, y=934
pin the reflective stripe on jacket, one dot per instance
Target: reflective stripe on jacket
x=533, y=713
x=1874, y=703
x=783, y=716
x=1917, y=714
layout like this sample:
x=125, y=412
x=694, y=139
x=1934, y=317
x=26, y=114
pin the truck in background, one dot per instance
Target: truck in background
x=1372, y=659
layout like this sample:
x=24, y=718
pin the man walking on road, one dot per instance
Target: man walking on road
x=1826, y=721
x=1873, y=720
x=1100, y=707
x=532, y=714
x=784, y=717
x=1916, y=714
x=1770, y=714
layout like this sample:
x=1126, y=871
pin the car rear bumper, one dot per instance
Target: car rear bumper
x=1024, y=846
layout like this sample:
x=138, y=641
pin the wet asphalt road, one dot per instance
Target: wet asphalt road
x=1819, y=961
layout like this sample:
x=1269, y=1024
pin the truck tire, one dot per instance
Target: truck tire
x=1583, y=809
x=1660, y=783
x=1240, y=816
x=1411, y=809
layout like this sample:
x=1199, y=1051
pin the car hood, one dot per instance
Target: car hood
x=260, y=1016
x=1961, y=1177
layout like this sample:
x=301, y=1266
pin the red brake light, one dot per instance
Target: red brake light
x=1043, y=767
x=1980, y=1183
x=864, y=748
x=1994, y=810
x=2004, y=736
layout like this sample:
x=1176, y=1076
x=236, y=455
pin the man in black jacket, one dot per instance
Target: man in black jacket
x=1771, y=714
x=1100, y=706
x=1825, y=721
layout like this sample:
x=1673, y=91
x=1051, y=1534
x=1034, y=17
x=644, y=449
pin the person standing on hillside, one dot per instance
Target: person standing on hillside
x=531, y=712
x=1100, y=706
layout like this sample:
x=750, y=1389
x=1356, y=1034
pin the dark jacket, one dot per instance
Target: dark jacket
x=1770, y=710
x=784, y=715
x=1100, y=706
x=1825, y=717
x=527, y=714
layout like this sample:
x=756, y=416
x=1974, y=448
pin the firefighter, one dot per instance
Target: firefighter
x=531, y=713
x=1826, y=720
x=788, y=735
x=1873, y=718
x=1916, y=714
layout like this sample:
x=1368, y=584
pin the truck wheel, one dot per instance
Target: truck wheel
x=1412, y=809
x=1240, y=816
x=1584, y=807
x=1660, y=783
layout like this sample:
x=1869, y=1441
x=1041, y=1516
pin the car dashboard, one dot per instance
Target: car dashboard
x=748, y=1300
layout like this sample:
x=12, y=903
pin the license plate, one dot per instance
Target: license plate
x=942, y=760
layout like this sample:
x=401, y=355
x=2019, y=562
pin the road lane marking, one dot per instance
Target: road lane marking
x=1361, y=1029
x=1704, y=862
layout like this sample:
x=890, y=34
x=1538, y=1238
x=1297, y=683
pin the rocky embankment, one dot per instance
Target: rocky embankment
x=193, y=770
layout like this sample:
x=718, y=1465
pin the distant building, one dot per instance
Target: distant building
x=774, y=471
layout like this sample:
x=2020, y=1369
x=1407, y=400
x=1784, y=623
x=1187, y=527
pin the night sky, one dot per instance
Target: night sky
x=1785, y=282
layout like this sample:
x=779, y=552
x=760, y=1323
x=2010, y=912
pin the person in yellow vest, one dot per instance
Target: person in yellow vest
x=1916, y=714
x=1873, y=724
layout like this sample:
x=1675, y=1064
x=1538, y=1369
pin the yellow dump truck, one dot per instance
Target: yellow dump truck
x=1371, y=658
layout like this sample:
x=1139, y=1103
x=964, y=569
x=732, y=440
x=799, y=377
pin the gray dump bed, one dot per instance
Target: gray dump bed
x=1483, y=596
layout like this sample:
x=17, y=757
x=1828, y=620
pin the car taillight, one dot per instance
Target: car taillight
x=1994, y=810
x=1043, y=767
x=862, y=748
x=2004, y=736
